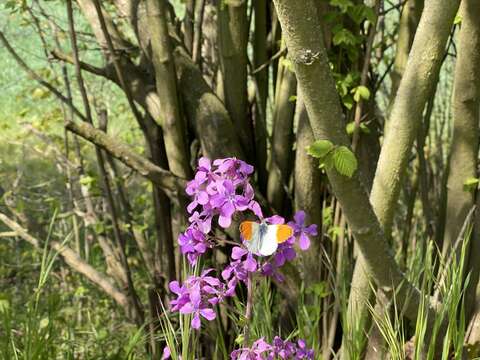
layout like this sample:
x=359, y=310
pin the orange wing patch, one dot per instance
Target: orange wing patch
x=283, y=233
x=246, y=230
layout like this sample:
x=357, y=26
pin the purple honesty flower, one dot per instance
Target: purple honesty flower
x=268, y=269
x=279, y=349
x=197, y=296
x=285, y=252
x=282, y=349
x=166, y=353
x=238, y=269
x=193, y=243
x=197, y=307
x=302, y=231
x=228, y=201
x=275, y=220
x=197, y=188
x=218, y=191
x=233, y=168
x=302, y=351
x=256, y=352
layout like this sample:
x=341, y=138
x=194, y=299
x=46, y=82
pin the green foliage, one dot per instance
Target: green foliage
x=320, y=148
x=350, y=128
x=345, y=161
x=360, y=93
x=339, y=157
x=471, y=184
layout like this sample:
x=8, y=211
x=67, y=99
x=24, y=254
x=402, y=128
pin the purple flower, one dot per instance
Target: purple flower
x=166, y=353
x=203, y=221
x=275, y=220
x=238, y=269
x=302, y=351
x=228, y=202
x=197, y=296
x=182, y=293
x=259, y=348
x=279, y=349
x=268, y=269
x=302, y=231
x=233, y=168
x=197, y=307
x=193, y=243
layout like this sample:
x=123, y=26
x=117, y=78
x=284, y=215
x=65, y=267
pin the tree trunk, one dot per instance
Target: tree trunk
x=233, y=37
x=415, y=89
x=317, y=85
x=279, y=164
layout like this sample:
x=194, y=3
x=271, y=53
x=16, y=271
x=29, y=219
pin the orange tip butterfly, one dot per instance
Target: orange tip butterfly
x=262, y=238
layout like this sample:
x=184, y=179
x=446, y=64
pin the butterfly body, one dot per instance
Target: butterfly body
x=262, y=238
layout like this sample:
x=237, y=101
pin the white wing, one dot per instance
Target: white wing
x=268, y=241
x=253, y=245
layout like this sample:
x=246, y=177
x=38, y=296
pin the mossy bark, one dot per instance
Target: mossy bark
x=307, y=51
x=416, y=87
x=172, y=121
x=464, y=153
x=281, y=154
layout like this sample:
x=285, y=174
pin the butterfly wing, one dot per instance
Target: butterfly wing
x=268, y=241
x=250, y=233
x=284, y=232
x=247, y=229
x=263, y=239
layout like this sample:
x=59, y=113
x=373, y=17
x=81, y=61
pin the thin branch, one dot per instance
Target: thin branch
x=37, y=77
x=57, y=55
x=168, y=182
x=279, y=54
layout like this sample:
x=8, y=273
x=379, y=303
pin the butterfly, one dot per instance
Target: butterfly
x=262, y=238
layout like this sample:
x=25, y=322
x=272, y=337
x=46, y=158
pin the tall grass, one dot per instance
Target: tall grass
x=40, y=331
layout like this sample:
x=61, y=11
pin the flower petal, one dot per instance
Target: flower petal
x=224, y=221
x=304, y=241
x=238, y=252
x=208, y=314
x=196, y=321
x=299, y=217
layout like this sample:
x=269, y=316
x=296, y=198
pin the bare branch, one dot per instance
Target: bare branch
x=38, y=78
x=168, y=182
x=56, y=54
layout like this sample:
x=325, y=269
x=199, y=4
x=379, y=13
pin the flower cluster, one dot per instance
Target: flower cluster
x=278, y=349
x=238, y=269
x=197, y=296
x=218, y=190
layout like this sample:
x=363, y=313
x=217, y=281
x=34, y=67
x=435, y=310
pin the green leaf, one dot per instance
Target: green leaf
x=458, y=19
x=86, y=180
x=320, y=289
x=344, y=37
x=360, y=92
x=344, y=5
x=470, y=184
x=292, y=98
x=327, y=162
x=320, y=148
x=344, y=161
x=364, y=128
x=360, y=12
x=347, y=102
x=350, y=128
